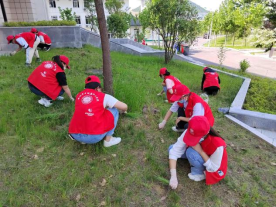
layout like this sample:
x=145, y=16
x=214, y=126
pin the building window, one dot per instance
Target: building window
x=87, y=20
x=54, y=18
x=76, y=4
x=78, y=20
x=86, y=4
x=52, y=3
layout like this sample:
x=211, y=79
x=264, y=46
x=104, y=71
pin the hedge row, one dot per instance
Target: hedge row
x=40, y=23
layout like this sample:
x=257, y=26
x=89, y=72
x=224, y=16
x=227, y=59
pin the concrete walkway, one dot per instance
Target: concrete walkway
x=261, y=66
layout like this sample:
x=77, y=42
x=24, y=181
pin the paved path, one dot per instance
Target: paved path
x=259, y=65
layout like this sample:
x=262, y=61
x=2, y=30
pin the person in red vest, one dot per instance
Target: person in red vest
x=168, y=84
x=205, y=150
x=28, y=41
x=143, y=42
x=45, y=41
x=49, y=80
x=210, y=81
x=187, y=104
x=96, y=115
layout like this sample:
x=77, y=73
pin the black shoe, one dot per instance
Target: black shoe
x=28, y=64
x=38, y=60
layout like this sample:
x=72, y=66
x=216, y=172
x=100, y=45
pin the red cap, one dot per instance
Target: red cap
x=205, y=69
x=198, y=127
x=162, y=71
x=10, y=38
x=179, y=91
x=65, y=59
x=34, y=30
x=92, y=78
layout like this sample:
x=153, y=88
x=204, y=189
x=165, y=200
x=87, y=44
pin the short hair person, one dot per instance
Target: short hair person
x=49, y=81
x=210, y=81
x=169, y=83
x=187, y=104
x=208, y=158
x=96, y=115
x=28, y=41
x=45, y=40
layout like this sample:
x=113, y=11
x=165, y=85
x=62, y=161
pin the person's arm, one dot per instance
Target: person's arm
x=68, y=92
x=214, y=162
x=203, y=79
x=176, y=152
x=169, y=84
x=42, y=39
x=159, y=94
x=199, y=149
x=121, y=106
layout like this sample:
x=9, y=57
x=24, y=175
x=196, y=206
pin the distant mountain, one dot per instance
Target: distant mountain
x=201, y=11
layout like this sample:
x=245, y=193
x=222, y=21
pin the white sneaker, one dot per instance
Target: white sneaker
x=166, y=101
x=177, y=130
x=196, y=177
x=113, y=141
x=45, y=102
x=60, y=98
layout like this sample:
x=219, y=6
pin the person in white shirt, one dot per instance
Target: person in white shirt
x=205, y=150
x=187, y=104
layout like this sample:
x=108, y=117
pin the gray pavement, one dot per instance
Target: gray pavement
x=261, y=66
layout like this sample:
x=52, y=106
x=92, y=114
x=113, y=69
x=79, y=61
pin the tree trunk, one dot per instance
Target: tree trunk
x=225, y=39
x=216, y=40
x=107, y=73
x=234, y=38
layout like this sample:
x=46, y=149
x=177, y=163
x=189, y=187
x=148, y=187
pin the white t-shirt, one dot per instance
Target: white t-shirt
x=198, y=109
x=21, y=41
x=169, y=84
x=41, y=39
x=109, y=101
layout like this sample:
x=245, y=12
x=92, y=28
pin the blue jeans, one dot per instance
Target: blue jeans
x=165, y=90
x=195, y=160
x=39, y=93
x=94, y=138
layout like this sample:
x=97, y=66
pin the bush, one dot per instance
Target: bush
x=40, y=23
x=244, y=65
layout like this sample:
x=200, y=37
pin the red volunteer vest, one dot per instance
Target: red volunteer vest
x=193, y=100
x=175, y=81
x=46, y=37
x=28, y=36
x=90, y=116
x=211, y=79
x=44, y=78
x=209, y=146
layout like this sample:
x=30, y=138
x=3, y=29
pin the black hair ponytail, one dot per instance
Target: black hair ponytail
x=57, y=60
x=213, y=132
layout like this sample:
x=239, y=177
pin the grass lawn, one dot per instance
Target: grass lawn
x=41, y=166
x=239, y=43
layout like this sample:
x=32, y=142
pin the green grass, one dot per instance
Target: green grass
x=40, y=166
x=239, y=43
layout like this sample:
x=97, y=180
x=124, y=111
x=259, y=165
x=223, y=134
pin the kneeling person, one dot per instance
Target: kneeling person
x=96, y=115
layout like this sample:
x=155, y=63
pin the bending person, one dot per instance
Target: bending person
x=208, y=159
x=169, y=83
x=96, y=115
x=187, y=104
x=49, y=80
x=45, y=41
x=210, y=81
x=28, y=41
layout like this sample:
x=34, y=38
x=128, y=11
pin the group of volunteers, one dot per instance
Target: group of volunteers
x=30, y=41
x=96, y=113
x=204, y=148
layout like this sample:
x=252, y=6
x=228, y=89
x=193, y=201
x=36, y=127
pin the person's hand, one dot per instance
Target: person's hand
x=198, y=148
x=159, y=94
x=72, y=99
x=173, y=180
x=162, y=124
x=163, y=84
x=13, y=53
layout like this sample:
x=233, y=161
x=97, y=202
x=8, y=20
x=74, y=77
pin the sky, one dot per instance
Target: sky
x=210, y=5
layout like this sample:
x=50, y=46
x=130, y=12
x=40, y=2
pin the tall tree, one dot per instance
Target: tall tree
x=171, y=20
x=107, y=73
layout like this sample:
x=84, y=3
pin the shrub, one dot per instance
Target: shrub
x=40, y=23
x=244, y=64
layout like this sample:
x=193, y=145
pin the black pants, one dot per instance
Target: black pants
x=212, y=90
x=42, y=46
x=181, y=124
